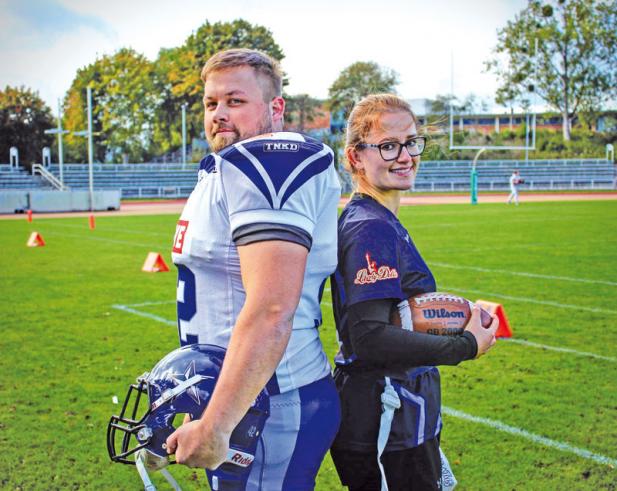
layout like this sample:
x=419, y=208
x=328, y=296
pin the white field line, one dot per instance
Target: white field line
x=102, y=239
x=105, y=228
x=532, y=300
x=557, y=348
x=145, y=314
x=143, y=304
x=523, y=273
x=541, y=440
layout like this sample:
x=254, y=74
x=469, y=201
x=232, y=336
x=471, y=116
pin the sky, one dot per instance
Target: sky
x=44, y=42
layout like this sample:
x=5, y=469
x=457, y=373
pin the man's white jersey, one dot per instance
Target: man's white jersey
x=264, y=188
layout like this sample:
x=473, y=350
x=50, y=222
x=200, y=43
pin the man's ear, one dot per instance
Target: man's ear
x=277, y=109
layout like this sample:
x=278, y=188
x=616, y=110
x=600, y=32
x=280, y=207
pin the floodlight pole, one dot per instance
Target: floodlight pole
x=183, y=135
x=474, y=178
x=88, y=133
x=59, y=131
x=90, y=149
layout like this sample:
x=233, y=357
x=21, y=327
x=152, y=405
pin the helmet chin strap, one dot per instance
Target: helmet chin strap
x=145, y=477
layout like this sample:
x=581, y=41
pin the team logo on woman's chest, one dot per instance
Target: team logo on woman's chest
x=373, y=273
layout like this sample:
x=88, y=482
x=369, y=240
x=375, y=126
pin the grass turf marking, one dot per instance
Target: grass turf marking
x=557, y=348
x=533, y=300
x=523, y=273
x=102, y=239
x=547, y=442
x=141, y=313
x=105, y=228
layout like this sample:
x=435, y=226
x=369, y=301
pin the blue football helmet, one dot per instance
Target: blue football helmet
x=182, y=383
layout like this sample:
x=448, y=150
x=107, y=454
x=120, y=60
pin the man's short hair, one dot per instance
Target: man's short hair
x=262, y=63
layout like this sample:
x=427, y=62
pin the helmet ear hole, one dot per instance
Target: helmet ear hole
x=179, y=419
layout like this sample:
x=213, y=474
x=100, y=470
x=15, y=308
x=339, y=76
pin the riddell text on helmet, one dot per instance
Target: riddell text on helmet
x=242, y=459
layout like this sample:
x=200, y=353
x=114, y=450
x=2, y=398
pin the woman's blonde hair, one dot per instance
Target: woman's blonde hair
x=366, y=115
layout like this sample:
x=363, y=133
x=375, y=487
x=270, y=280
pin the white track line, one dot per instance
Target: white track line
x=145, y=314
x=557, y=348
x=532, y=300
x=523, y=273
x=547, y=442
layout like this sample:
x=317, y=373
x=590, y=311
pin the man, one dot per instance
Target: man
x=515, y=180
x=254, y=246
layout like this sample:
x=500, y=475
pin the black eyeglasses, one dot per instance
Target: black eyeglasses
x=392, y=150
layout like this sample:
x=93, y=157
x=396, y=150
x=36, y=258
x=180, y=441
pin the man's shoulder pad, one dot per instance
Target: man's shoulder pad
x=280, y=162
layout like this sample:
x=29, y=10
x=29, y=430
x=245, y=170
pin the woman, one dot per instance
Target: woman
x=381, y=366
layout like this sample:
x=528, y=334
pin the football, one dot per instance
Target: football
x=441, y=314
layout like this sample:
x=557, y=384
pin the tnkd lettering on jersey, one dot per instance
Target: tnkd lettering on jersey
x=181, y=227
x=373, y=273
x=281, y=147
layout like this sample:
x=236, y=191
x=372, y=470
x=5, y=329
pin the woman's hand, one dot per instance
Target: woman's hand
x=485, y=337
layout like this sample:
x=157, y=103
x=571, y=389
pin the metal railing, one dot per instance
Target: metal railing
x=49, y=177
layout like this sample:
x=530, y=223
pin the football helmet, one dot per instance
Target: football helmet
x=180, y=384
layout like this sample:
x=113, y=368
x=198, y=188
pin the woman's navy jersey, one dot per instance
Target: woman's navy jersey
x=378, y=260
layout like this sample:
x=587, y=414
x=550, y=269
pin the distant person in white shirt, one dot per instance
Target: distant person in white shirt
x=515, y=180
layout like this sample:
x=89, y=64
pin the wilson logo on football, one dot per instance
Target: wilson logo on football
x=179, y=237
x=442, y=314
x=373, y=273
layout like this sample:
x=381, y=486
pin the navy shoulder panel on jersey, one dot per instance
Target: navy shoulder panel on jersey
x=208, y=164
x=278, y=166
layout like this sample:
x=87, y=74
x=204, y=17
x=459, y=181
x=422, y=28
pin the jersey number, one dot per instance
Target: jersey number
x=187, y=305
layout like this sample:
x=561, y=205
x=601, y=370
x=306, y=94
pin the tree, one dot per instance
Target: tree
x=357, y=81
x=124, y=102
x=24, y=117
x=179, y=71
x=299, y=110
x=575, y=66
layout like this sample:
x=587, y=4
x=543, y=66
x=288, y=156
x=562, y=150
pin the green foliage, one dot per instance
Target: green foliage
x=357, y=81
x=179, y=69
x=574, y=69
x=124, y=104
x=299, y=110
x=23, y=119
x=66, y=350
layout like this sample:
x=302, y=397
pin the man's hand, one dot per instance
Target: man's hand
x=485, y=337
x=196, y=444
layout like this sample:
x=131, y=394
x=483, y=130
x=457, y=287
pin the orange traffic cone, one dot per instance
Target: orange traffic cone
x=35, y=240
x=91, y=222
x=154, y=263
x=504, y=330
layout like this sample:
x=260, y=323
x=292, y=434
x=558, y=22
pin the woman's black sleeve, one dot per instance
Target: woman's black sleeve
x=375, y=340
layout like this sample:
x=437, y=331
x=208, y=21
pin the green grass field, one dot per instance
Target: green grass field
x=80, y=321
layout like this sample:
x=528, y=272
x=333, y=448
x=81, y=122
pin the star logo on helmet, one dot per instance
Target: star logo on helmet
x=184, y=382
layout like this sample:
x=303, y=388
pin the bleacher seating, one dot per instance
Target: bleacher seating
x=20, y=178
x=172, y=181
x=539, y=175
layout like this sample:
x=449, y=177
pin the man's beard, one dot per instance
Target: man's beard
x=221, y=141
